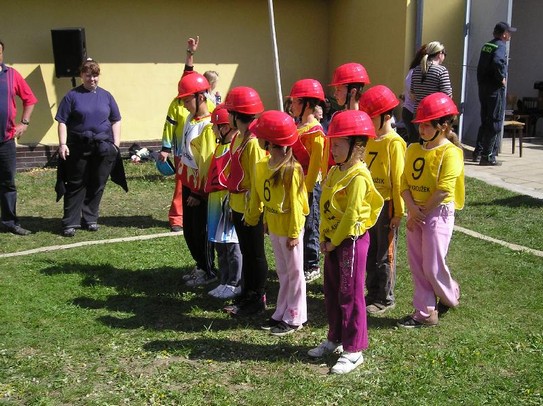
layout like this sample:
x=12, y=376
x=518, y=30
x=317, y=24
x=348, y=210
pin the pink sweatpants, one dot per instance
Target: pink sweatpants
x=427, y=247
x=291, y=300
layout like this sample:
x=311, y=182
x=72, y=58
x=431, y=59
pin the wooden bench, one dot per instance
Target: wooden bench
x=517, y=130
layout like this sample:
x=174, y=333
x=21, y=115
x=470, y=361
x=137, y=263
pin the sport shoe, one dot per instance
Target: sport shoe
x=410, y=322
x=176, y=229
x=68, y=232
x=18, y=230
x=196, y=272
x=282, y=329
x=254, y=305
x=347, y=362
x=269, y=324
x=217, y=291
x=379, y=308
x=442, y=308
x=201, y=280
x=325, y=348
x=228, y=292
x=311, y=274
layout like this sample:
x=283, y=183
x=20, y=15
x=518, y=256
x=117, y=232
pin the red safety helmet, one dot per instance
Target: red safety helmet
x=276, y=127
x=435, y=106
x=244, y=100
x=349, y=123
x=191, y=84
x=378, y=100
x=219, y=115
x=307, y=88
x=350, y=73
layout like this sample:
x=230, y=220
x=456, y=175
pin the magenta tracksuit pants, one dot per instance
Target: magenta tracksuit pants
x=291, y=300
x=344, y=275
x=427, y=247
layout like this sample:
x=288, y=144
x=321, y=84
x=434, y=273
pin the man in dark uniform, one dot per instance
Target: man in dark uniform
x=491, y=78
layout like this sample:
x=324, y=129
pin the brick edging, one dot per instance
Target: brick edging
x=45, y=156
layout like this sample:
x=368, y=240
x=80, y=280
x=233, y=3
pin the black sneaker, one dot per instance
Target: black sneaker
x=18, y=230
x=282, y=329
x=68, y=232
x=269, y=324
x=475, y=158
x=442, y=309
x=254, y=305
x=486, y=162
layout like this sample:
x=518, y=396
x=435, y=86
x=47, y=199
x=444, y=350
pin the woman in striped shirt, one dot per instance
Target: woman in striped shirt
x=431, y=76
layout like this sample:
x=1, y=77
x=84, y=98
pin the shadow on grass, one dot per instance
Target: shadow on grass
x=157, y=299
x=225, y=350
x=514, y=201
x=54, y=226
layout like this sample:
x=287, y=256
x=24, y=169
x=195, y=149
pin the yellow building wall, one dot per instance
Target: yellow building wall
x=378, y=34
x=444, y=21
x=140, y=46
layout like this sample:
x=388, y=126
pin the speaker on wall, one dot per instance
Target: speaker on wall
x=69, y=51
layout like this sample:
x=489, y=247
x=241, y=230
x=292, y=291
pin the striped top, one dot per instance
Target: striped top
x=437, y=80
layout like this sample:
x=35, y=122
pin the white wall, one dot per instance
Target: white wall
x=526, y=51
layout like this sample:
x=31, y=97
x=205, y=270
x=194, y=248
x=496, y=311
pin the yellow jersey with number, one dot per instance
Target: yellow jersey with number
x=350, y=203
x=384, y=157
x=439, y=168
x=284, y=210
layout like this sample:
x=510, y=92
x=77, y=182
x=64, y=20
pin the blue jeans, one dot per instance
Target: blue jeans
x=311, y=230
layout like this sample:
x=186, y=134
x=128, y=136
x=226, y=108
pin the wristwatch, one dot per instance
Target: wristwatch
x=25, y=121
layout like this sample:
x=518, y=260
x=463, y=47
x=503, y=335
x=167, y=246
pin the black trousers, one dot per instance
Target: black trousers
x=195, y=233
x=8, y=191
x=492, y=108
x=254, y=264
x=86, y=173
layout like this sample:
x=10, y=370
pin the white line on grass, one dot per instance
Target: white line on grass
x=471, y=233
x=509, y=245
x=87, y=243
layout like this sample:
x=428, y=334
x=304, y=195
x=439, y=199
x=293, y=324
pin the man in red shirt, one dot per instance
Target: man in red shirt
x=11, y=84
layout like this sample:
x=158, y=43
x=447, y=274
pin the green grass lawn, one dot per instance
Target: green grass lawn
x=112, y=324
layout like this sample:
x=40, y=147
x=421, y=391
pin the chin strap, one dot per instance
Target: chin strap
x=421, y=141
x=350, y=153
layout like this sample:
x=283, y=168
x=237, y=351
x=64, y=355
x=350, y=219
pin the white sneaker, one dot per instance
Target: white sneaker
x=228, y=292
x=201, y=280
x=312, y=274
x=347, y=362
x=325, y=348
x=196, y=272
x=217, y=291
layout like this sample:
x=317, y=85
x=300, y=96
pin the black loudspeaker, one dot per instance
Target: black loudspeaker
x=69, y=51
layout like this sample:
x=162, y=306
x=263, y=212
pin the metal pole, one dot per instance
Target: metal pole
x=275, y=57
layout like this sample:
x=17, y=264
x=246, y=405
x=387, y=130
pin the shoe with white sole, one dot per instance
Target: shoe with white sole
x=217, y=291
x=347, y=362
x=325, y=348
x=228, y=292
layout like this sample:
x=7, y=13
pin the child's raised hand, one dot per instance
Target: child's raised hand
x=192, y=44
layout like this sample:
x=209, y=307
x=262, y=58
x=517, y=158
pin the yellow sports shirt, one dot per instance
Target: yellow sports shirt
x=384, y=157
x=284, y=210
x=350, y=203
x=427, y=170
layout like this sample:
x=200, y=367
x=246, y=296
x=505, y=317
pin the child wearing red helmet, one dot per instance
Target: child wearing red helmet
x=350, y=205
x=306, y=94
x=243, y=104
x=220, y=228
x=433, y=188
x=278, y=185
x=196, y=149
x=384, y=156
